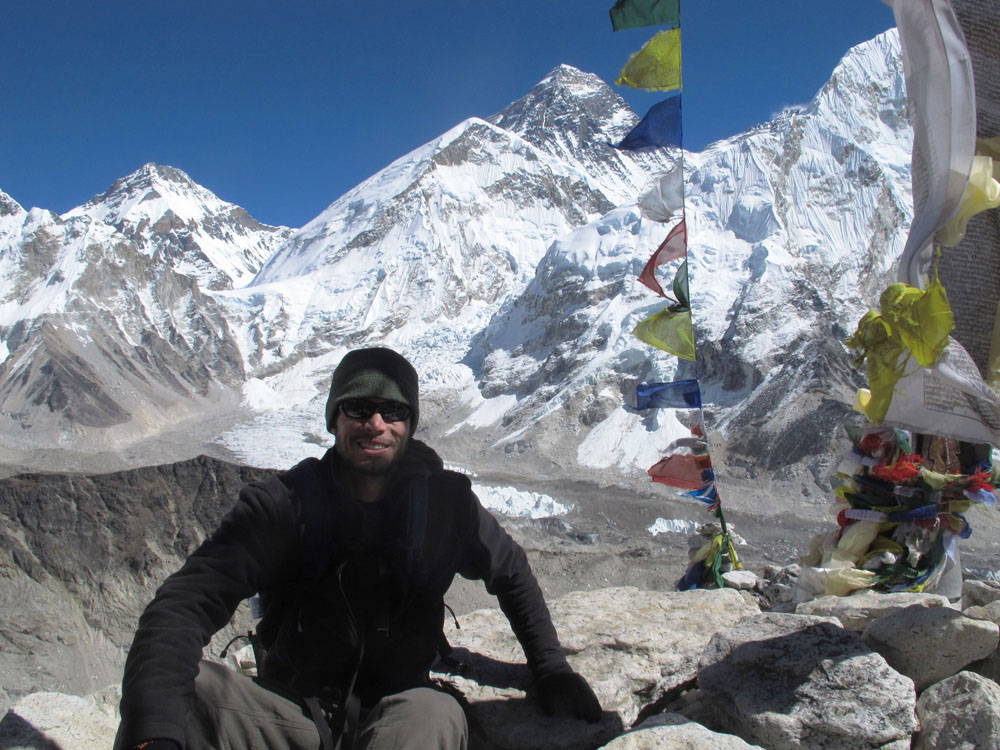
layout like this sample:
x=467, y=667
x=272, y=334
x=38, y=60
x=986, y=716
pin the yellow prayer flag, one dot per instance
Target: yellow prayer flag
x=670, y=331
x=912, y=322
x=981, y=194
x=657, y=66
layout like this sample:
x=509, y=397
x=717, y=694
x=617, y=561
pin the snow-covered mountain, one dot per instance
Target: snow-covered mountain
x=99, y=337
x=502, y=258
x=792, y=231
x=427, y=249
x=171, y=218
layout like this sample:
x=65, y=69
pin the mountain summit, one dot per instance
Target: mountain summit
x=570, y=108
x=428, y=248
x=171, y=218
x=501, y=257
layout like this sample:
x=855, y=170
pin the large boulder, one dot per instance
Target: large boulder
x=675, y=731
x=990, y=611
x=857, y=611
x=790, y=681
x=959, y=713
x=979, y=592
x=929, y=644
x=990, y=666
x=53, y=721
x=632, y=646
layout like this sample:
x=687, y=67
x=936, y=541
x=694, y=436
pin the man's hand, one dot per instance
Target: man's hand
x=568, y=692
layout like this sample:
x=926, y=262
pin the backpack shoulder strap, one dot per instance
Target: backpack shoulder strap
x=417, y=520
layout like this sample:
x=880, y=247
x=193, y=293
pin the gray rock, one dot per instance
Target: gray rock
x=929, y=644
x=778, y=589
x=988, y=667
x=675, y=731
x=959, y=713
x=795, y=681
x=53, y=721
x=856, y=612
x=741, y=580
x=977, y=593
x=989, y=611
x=632, y=646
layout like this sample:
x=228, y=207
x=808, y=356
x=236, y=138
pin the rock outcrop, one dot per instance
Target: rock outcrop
x=698, y=669
x=789, y=681
x=83, y=555
x=929, y=644
x=634, y=647
x=962, y=711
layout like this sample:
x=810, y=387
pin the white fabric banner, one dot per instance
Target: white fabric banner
x=943, y=44
x=663, y=197
x=948, y=399
x=942, y=100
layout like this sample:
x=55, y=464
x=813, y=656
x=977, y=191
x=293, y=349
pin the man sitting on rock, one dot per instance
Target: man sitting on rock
x=351, y=555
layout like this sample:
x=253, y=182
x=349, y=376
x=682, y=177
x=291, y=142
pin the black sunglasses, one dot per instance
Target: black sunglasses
x=362, y=410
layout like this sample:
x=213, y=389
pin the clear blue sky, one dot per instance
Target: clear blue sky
x=281, y=107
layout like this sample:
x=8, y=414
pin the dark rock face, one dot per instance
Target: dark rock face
x=569, y=112
x=84, y=554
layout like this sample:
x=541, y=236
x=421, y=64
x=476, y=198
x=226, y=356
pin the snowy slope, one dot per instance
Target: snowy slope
x=171, y=218
x=104, y=336
x=97, y=335
x=792, y=231
x=794, y=228
x=502, y=258
x=425, y=251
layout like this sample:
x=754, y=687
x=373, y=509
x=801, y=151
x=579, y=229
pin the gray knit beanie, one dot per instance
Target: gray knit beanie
x=373, y=373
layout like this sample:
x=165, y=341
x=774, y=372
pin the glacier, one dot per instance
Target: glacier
x=157, y=321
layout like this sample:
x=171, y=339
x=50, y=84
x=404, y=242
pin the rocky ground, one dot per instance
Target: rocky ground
x=703, y=669
x=86, y=553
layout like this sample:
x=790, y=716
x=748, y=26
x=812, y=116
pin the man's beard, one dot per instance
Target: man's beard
x=377, y=470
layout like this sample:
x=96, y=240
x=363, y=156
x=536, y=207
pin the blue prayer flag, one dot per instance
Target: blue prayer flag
x=707, y=493
x=660, y=128
x=680, y=394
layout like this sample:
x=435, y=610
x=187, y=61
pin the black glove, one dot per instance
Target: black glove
x=568, y=692
x=161, y=744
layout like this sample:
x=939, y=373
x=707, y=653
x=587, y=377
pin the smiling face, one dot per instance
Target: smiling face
x=371, y=446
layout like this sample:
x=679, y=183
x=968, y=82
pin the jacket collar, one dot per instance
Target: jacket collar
x=419, y=460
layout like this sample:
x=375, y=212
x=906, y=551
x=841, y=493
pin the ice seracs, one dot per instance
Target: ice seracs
x=501, y=257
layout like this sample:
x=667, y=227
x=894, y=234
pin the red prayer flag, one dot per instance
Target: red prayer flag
x=673, y=247
x=684, y=471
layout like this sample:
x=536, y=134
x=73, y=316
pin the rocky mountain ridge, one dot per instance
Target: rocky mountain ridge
x=83, y=556
x=171, y=218
x=501, y=258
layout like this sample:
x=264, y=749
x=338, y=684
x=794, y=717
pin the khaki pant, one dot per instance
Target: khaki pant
x=234, y=712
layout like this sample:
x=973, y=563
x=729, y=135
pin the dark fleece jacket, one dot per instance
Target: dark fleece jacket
x=377, y=576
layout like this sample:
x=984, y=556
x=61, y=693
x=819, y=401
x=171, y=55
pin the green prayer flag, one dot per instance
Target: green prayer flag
x=631, y=14
x=681, y=285
x=657, y=66
x=669, y=330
